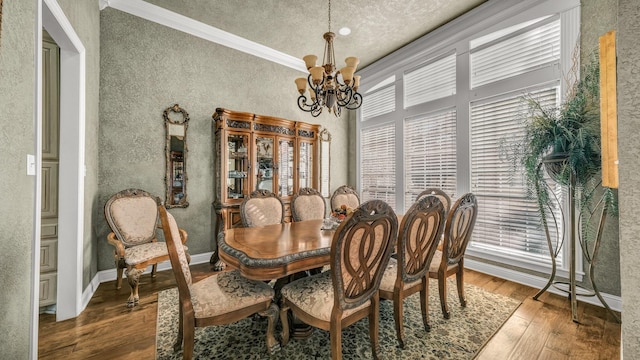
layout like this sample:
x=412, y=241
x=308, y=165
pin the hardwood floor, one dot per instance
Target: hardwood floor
x=543, y=329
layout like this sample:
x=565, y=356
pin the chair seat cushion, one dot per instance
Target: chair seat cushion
x=141, y=253
x=226, y=292
x=435, y=263
x=389, y=278
x=144, y=252
x=314, y=296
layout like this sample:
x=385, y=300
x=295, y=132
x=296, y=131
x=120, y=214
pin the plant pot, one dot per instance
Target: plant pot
x=554, y=164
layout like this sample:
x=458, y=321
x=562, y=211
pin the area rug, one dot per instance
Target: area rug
x=460, y=337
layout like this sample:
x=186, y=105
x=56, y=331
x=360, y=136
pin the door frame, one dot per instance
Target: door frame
x=50, y=16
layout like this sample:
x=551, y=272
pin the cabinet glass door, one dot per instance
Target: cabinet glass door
x=264, y=163
x=237, y=166
x=306, y=163
x=285, y=167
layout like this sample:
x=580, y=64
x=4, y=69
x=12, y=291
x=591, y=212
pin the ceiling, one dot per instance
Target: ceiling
x=378, y=27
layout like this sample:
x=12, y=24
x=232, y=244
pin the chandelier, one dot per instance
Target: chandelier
x=328, y=87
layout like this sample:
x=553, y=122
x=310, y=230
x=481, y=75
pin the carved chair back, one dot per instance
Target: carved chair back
x=261, y=208
x=360, y=252
x=308, y=204
x=420, y=232
x=444, y=198
x=132, y=215
x=460, y=223
x=345, y=195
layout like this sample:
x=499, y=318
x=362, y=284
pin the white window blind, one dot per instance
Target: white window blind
x=522, y=51
x=432, y=81
x=429, y=154
x=377, y=159
x=381, y=101
x=325, y=160
x=508, y=221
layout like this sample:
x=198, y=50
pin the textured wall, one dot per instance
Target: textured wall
x=84, y=16
x=16, y=141
x=147, y=67
x=597, y=18
x=629, y=143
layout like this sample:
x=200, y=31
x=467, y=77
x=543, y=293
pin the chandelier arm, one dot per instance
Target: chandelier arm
x=356, y=101
x=345, y=94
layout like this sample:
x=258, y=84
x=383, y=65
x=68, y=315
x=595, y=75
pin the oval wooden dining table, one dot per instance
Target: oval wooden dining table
x=276, y=251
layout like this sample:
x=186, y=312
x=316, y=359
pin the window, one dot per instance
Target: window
x=379, y=101
x=377, y=164
x=516, y=53
x=429, y=154
x=461, y=89
x=509, y=221
x=430, y=82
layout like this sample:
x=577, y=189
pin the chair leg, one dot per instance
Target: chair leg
x=180, y=337
x=272, y=317
x=335, y=335
x=284, y=319
x=442, y=287
x=460, y=284
x=424, y=302
x=119, y=276
x=133, y=277
x=397, y=317
x=154, y=268
x=189, y=338
x=374, y=314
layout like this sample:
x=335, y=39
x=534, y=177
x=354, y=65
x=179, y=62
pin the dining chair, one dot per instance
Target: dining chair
x=261, y=208
x=308, y=204
x=222, y=298
x=333, y=300
x=450, y=260
x=420, y=230
x=443, y=196
x=344, y=195
x=132, y=215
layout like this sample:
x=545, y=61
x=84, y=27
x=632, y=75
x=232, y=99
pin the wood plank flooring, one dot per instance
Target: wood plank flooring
x=542, y=329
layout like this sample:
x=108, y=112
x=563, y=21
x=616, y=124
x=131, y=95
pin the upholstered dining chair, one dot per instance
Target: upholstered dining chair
x=450, y=260
x=261, y=208
x=344, y=195
x=308, y=204
x=443, y=196
x=220, y=299
x=335, y=299
x=132, y=215
x=420, y=232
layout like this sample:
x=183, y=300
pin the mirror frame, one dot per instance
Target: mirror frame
x=169, y=203
x=324, y=138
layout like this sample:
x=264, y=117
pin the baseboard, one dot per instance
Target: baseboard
x=614, y=302
x=110, y=275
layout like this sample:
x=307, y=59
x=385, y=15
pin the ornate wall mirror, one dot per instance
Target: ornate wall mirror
x=325, y=162
x=176, y=121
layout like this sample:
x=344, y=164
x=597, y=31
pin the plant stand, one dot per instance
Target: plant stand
x=571, y=287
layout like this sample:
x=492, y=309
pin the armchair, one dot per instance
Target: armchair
x=132, y=215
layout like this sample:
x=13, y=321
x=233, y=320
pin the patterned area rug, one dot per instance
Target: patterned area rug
x=460, y=337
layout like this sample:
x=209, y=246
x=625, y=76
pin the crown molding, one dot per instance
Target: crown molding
x=190, y=26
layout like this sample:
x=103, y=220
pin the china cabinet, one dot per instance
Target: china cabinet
x=255, y=152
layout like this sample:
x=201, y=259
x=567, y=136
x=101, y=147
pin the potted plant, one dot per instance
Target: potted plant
x=564, y=141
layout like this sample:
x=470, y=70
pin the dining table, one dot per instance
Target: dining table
x=276, y=251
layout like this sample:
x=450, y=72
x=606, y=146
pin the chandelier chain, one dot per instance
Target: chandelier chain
x=329, y=15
